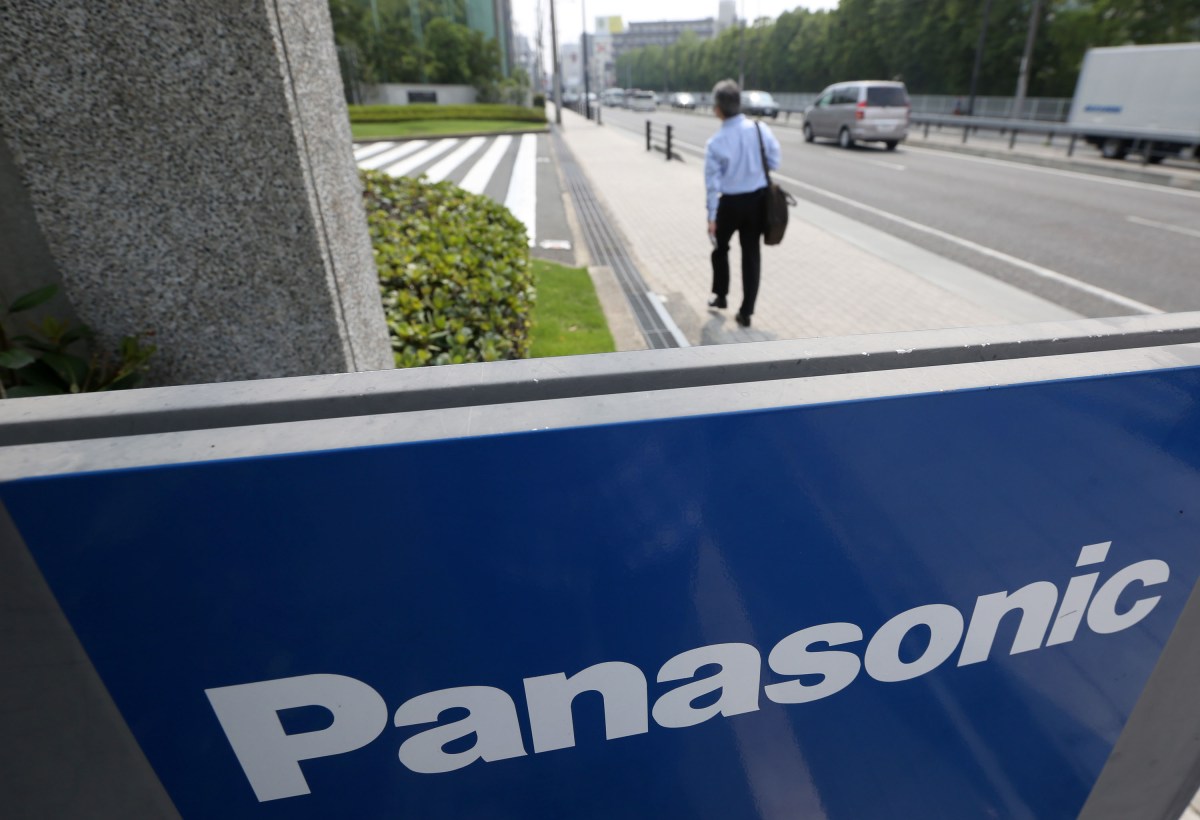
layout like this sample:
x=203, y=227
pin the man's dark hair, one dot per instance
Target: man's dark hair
x=728, y=97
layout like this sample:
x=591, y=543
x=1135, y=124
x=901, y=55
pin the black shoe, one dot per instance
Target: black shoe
x=717, y=302
x=742, y=319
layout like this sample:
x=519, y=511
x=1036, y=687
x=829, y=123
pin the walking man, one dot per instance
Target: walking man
x=736, y=183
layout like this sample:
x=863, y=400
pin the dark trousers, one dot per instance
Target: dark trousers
x=745, y=214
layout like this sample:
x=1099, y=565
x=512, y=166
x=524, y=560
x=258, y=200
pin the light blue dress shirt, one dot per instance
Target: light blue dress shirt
x=733, y=163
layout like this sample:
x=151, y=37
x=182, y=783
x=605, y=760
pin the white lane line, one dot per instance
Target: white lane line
x=401, y=168
x=479, y=176
x=387, y=156
x=1163, y=226
x=446, y=167
x=1045, y=273
x=522, y=186
x=1037, y=169
x=894, y=166
x=367, y=151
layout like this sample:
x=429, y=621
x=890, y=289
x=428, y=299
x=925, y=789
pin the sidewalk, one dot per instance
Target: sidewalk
x=831, y=276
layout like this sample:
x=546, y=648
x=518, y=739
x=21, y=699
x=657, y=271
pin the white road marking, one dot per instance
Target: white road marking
x=367, y=151
x=1037, y=169
x=395, y=153
x=404, y=166
x=893, y=165
x=1045, y=273
x=481, y=173
x=522, y=187
x=1150, y=223
x=446, y=167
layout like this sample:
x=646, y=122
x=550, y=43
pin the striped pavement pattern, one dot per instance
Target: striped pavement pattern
x=501, y=167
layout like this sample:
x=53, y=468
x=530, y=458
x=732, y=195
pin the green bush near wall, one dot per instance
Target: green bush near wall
x=430, y=111
x=454, y=272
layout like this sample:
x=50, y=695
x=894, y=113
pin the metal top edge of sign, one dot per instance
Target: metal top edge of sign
x=304, y=398
x=325, y=434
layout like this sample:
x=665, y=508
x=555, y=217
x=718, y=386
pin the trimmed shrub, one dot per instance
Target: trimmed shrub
x=431, y=111
x=454, y=272
x=539, y=100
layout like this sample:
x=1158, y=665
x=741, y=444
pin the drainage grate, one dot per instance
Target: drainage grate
x=607, y=247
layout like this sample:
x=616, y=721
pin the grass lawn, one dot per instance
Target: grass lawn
x=567, y=320
x=417, y=128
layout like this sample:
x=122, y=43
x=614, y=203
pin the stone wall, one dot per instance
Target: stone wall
x=189, y=166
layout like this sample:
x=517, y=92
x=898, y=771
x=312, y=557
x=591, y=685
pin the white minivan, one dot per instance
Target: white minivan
x=643, y=101
x=860, y=111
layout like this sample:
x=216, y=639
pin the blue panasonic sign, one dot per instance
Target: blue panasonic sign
x=490, y=731
x=929, y=602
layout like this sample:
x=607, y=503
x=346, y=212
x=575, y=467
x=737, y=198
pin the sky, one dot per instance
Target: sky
x=570, y=13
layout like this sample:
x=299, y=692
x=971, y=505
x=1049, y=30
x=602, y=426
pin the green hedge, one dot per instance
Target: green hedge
x=453, y=269
x=430, y=111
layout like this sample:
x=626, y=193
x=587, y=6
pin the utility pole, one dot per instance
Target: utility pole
x=987, y=13
x=742, y=47
x=539, y=80
x=666, y=58
x=557, y=66
x=587, y=85
x=1027, y=59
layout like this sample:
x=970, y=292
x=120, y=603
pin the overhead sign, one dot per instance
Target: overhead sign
x=923, y=605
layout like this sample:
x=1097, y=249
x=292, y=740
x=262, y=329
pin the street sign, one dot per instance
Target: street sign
x=939, y=596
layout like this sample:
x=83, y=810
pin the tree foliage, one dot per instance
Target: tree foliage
x=930, y=44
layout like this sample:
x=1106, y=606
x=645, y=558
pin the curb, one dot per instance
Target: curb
x=617, y=312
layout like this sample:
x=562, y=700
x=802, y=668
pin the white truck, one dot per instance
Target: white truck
x=1140, y=99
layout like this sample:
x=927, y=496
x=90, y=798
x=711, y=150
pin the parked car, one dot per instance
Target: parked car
x=613, y=97
x=860, y=111
x=643, y=101
x=683, y=100
x=759, y=104
x=571, y=97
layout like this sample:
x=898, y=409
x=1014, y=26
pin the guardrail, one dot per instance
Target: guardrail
x=665, y=137
x=1141, y=141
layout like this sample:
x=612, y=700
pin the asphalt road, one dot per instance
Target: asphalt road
x=1096, y=245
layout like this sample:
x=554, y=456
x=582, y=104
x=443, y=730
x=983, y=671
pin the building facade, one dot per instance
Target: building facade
x=660, y=33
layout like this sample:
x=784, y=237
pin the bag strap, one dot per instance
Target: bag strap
x=763, y=151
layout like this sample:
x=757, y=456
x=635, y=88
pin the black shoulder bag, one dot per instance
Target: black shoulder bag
x=778, y=200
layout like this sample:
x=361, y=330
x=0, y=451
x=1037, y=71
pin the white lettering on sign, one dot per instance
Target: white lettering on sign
x=270, y=758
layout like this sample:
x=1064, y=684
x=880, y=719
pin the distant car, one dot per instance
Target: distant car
x=683, y=100
x=759, y=104
x=613, y=97
x=643, y=101
x=571, y=97
x=860, y=111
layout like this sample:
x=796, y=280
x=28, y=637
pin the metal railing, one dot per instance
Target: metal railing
x=1043, y=109
x=1142, y=141
x=664, y=143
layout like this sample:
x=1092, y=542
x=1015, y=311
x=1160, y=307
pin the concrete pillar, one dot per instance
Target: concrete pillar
x=189, y=170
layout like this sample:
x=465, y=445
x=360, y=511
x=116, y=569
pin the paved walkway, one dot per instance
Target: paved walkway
x=831, y=276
